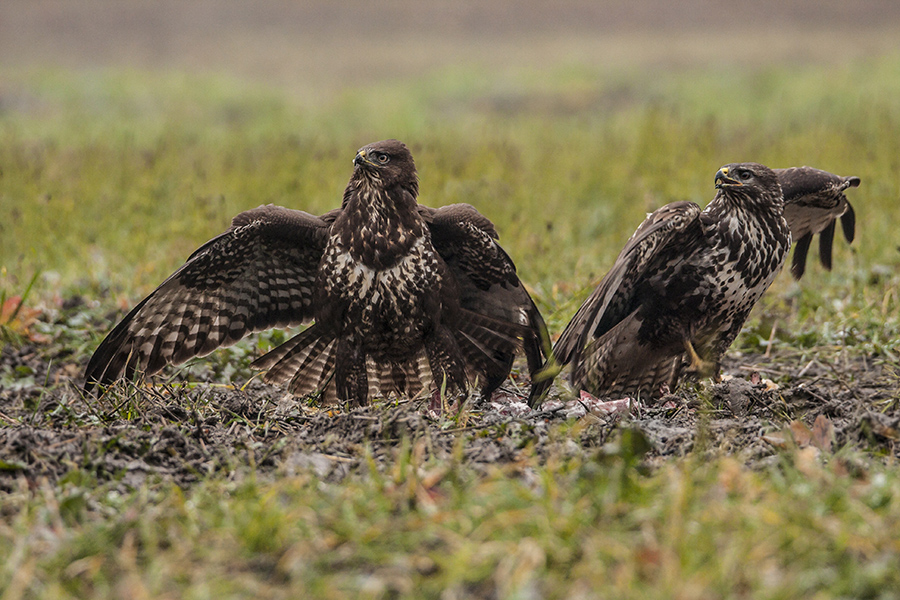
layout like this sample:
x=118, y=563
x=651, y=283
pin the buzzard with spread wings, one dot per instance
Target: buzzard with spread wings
x=404, y=298
x=681, y=289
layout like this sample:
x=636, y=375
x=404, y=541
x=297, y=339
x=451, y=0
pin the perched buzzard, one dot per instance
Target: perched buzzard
x=679, y=291
x=813, y=201
x=404, y=297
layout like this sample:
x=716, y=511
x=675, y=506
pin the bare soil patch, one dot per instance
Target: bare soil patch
x=180, y=433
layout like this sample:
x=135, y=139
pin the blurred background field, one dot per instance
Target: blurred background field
x=131, y=132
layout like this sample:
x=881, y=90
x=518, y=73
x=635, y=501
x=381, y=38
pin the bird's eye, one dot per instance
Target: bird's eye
x=745, y=175
x=382, y=158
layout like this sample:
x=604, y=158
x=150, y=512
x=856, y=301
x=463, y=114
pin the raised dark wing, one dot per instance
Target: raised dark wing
x=653, y=244
x=257, y=275
x=488, y=284
x=813, y=201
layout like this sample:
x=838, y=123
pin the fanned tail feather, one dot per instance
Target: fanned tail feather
x=649, y=383
x=277, y=354
x=478, y=354
x=617, y=364
x=502, y=335
x=409, y=378
x=488, y=346
x=315, y=373
x=306, y=360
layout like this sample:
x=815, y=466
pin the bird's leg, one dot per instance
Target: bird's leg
x=699, y=366
x=350, y=374
x=446, y=362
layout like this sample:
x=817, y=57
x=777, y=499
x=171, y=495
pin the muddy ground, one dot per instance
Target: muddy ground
x=177, y=433
x=48, y=428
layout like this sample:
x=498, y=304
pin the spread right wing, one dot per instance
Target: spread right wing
x=257, y=275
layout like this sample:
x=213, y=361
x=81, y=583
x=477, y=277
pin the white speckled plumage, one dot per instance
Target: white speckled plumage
x=402, y=296
x=686, y=276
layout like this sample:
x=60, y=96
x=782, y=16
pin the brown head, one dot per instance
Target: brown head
x=387, y=163
x=751, y=183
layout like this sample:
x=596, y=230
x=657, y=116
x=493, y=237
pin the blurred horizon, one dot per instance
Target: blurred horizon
x=319, y=46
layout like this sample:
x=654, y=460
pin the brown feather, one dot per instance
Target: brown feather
x=686, y=277
x=813, y=201
x=403, y=296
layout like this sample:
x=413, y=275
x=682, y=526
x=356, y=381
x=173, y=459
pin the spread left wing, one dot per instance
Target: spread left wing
x=257, y=275
x=659, y=240
x=813, y=201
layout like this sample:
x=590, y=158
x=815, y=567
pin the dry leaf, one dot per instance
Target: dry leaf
x=807, y=461
x=823, y=433
x=801, y=433
x=16, y=316
x=775, y=439
x=885, y=431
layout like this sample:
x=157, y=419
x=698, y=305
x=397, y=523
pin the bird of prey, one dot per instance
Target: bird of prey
x=404, y=298
x=680, y=290
x=813, y=201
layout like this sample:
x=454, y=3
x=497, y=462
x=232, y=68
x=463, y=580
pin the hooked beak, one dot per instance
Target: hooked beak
x=362, y=159
x=723, y=180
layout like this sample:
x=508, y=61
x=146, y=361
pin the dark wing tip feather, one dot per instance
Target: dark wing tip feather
x=826, y=242
x=848, y=219
x=540, y=384
x=848, y=223
x=537, y=343
x=114, y=356
x=798, y=262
